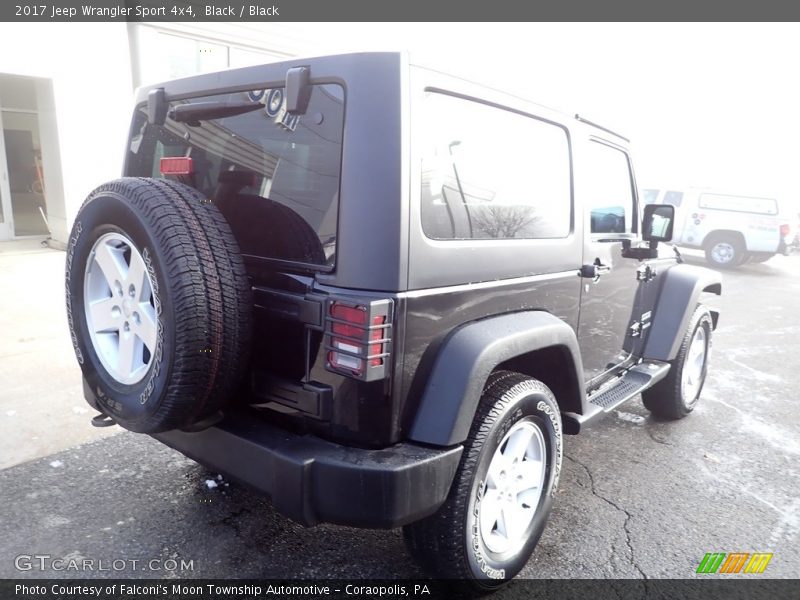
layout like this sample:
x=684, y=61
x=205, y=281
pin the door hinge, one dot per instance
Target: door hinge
x=645, y=273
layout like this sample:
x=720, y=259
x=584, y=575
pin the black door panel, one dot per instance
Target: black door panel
x=607, y=302
x=610, y=285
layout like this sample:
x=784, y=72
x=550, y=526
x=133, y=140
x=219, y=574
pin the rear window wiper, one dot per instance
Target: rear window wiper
x=203, y=111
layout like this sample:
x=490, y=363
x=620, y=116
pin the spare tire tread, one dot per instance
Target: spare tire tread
x=235, y=286
x=198, y=307
x=204, y=276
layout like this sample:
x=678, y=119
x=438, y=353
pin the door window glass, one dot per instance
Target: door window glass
x=609, y=190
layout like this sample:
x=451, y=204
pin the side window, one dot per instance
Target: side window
x=763, y=206
x=488, y=173
x=674, y=198
x=649, y=196
x=609, y=190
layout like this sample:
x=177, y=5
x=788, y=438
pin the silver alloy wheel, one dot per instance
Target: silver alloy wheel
x=119, y=304
x=723, y=253
x=513, y=488
x=694, y=367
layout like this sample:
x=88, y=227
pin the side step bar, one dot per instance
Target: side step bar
x=606, y=399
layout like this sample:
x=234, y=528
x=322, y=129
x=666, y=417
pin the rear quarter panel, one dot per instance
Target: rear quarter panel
x=452, y=282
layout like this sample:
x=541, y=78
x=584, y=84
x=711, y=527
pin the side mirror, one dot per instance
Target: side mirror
x=658, y=222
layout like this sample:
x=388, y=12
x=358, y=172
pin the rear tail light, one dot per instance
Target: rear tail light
x=358, y=338
x=176, y=165
x=785, y=229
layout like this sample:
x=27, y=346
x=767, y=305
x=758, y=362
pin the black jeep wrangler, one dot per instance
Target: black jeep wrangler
x=380, y=295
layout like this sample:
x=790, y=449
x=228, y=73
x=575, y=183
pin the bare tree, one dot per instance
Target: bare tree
x=499, y=221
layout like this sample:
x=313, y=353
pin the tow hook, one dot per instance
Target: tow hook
x=103, y=420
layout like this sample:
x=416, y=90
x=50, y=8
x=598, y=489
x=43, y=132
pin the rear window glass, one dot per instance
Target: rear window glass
x=274, y=176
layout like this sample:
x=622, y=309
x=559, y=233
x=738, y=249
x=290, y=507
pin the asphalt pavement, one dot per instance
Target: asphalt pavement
x=638, y=498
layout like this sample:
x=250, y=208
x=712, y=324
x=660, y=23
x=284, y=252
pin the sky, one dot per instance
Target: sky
x=704, y=104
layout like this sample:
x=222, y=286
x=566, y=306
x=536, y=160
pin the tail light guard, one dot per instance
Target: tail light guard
x=358, y=337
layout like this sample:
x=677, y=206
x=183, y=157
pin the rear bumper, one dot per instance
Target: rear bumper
x=312, y=480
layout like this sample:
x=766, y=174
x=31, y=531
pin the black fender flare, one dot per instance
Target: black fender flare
x=467, y=358
x=678, y=297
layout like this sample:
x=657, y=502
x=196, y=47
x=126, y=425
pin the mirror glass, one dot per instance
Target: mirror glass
x=658, y=219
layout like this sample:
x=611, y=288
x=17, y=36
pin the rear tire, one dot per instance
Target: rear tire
x=725, y=251
x=158, y=304
x=503, y=490
x=675, y=396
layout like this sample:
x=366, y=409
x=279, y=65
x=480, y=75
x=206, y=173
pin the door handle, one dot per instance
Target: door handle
x=600, y=268
x=594, y=270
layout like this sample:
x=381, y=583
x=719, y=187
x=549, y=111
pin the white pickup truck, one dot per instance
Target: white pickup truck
x=731, y=229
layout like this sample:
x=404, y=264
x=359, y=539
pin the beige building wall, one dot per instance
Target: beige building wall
x=83, y=114
x=87, y=73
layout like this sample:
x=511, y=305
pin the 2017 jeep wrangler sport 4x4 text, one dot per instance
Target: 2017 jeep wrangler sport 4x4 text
x=380, y=295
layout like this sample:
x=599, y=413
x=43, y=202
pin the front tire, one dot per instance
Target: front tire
x=675, y=396
x=503, y=490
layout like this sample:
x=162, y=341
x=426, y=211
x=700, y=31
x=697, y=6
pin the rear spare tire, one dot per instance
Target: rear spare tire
x=158, y=304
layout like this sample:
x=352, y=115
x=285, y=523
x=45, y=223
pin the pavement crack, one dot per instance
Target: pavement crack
x=628, y=516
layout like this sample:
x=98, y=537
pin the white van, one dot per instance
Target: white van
x=731, y=229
